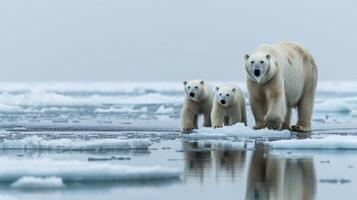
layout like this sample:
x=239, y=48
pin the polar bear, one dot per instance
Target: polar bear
x=228, y=106
x=198, y=100
x=281, y=77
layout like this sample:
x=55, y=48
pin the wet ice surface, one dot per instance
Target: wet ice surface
x=122, y=140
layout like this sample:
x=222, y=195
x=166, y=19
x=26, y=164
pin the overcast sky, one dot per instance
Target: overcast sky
x=149, y=40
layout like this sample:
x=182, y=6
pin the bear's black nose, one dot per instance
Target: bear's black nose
x=257, y=72
x=223, y=101
x=192, y=94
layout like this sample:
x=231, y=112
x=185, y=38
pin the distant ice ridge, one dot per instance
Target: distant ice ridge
x=81, y=171
x=333, y=105
x=237, y=130
x=30, y=182
x=336, y=142
x=129, y=109
x=163, y=110
x=39, y=143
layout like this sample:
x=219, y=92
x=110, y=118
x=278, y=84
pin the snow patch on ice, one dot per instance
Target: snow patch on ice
x=336, y=142
x=5, y=197
x=81, y=171
x=237, y=130
x=129, y=109
x=30, y=182
x=333, y=105
x=39, y=143
x=163, y=110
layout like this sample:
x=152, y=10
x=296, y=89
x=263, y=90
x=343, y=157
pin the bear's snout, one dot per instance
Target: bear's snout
x=223, y=101
x=192, y=94
x=256, y=72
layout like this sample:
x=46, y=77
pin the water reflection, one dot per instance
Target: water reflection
x=273, y=177
x=204, y=159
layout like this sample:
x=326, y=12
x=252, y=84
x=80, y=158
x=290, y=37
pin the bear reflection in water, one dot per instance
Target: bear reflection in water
x=204, y=159
x=269, y=176
x=273, y=177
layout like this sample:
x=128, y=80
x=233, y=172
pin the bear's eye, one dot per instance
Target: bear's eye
x=189, y=87
x=227, y=95
x=220, y=94
x=261, y=62
x=196, y=87
x=252, y=61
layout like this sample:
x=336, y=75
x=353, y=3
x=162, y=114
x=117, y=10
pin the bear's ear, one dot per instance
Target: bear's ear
x=246, y=56
x=184, y=82
x=268, y=56
x=217, y=88
x=233, y=90
x=202, y=82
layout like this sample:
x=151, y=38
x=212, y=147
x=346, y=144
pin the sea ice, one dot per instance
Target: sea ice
x=337, y=142
x=39, y=143
x=237, y=130
x=163, y=110
x=81, y=171
x=129, y=109
x=30, y=182
x=333, y=105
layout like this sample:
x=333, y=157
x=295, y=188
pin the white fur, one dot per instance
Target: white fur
x=200, y=103
x=288, y=79
x=232, y=110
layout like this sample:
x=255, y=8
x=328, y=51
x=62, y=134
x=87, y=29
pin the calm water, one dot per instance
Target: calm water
x=211, y=169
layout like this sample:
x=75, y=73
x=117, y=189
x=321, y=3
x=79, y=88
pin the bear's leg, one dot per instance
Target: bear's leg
x=305, y=110
x=217, y=119
x=207, y=120
x=195, y=122
x=226, y=121
x=235, y=119
x=259, y=110
x=276, y=113
x=286, y=123
x=187, y=121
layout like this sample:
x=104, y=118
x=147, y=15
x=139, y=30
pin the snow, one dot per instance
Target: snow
x=333, y=105
x=163, y=110
x=336, y=142
x=129, y=109
x=81, y=171
x=30, y=182
x=39, y=143
x=237, y=130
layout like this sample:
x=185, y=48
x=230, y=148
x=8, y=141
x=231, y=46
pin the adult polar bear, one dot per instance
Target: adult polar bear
x=281, y=77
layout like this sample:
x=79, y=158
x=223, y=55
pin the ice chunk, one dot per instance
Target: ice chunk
x=121, y=110
x=5, y=197
x=237, y=130
x=163, y=110
x=82, y=171
x=30, y=182
x=354, y=113
x=333, y=105
x=39, y=143
x=329, y=142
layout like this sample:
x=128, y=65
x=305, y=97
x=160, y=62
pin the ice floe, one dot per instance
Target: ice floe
x=82, y=171
x=39, y=143
x=163, y=110
x=129, y=109
x=333, y=105
x=336, y=142
x=237, y=130
x=30, y=182
x=354, y=113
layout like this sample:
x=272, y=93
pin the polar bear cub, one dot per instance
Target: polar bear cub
x=281, y=77
x=228, y=107
x=198, y=100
